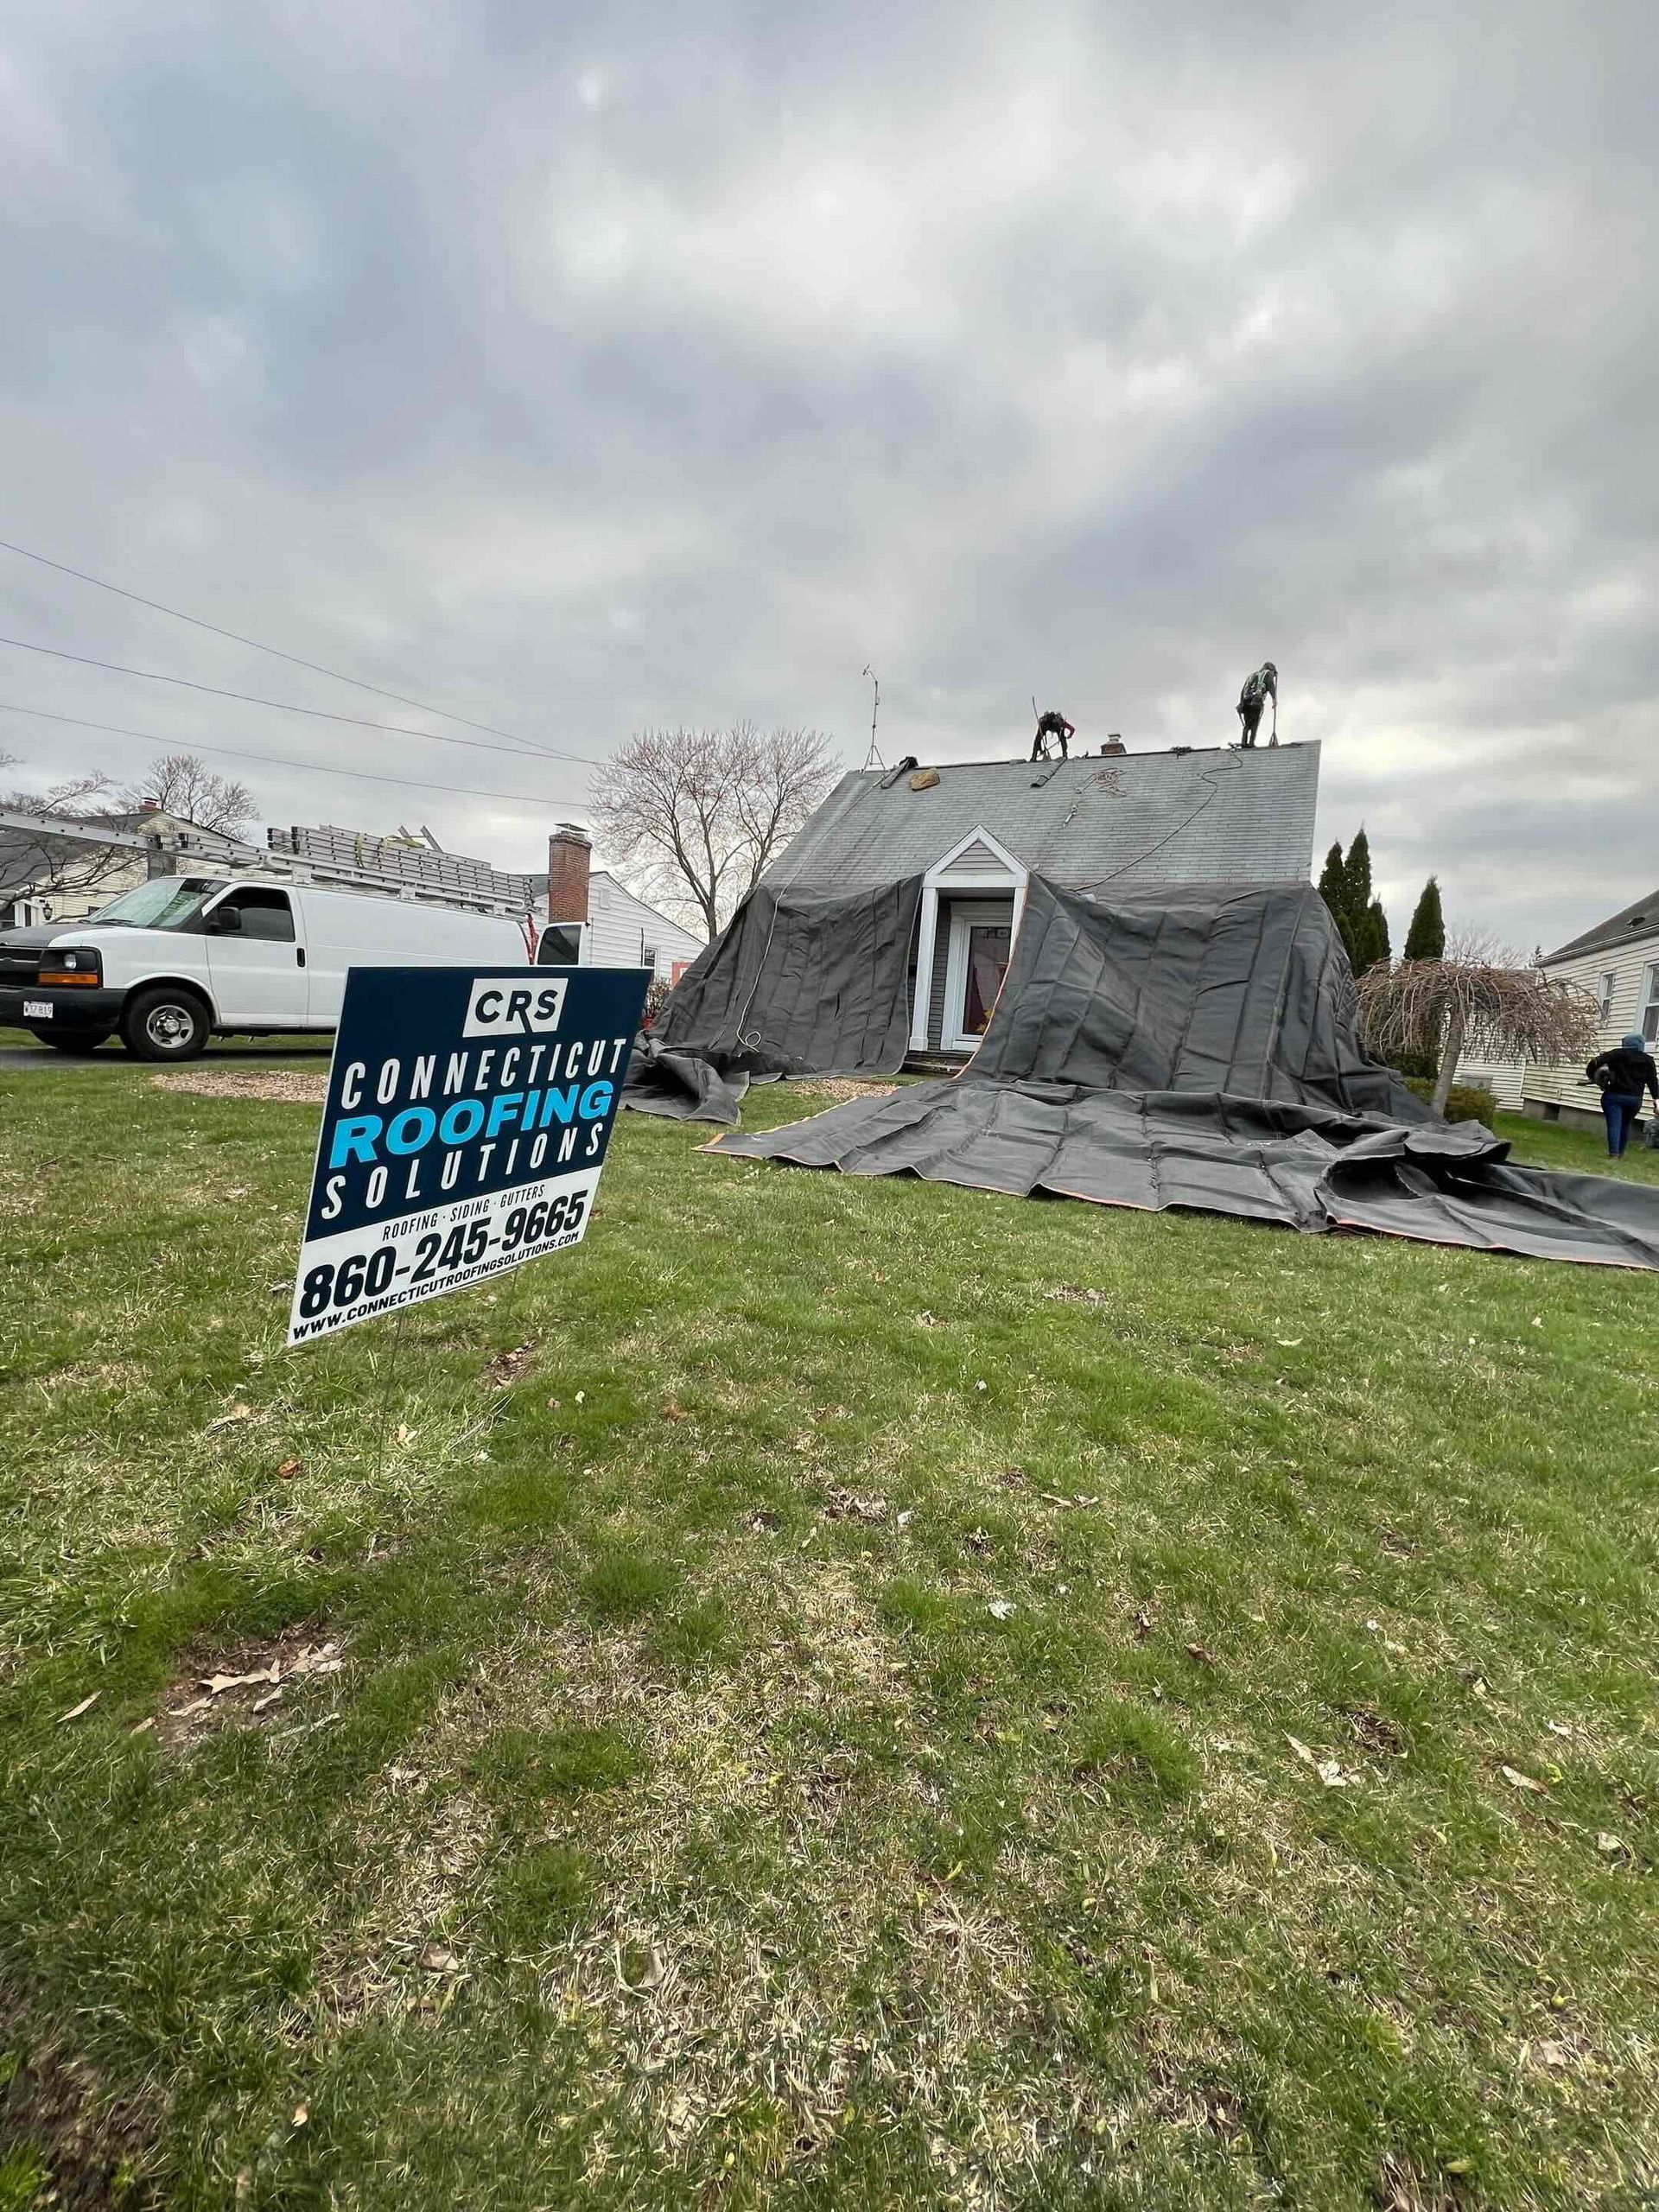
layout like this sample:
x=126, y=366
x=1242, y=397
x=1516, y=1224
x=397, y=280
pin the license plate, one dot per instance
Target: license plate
x=38, y=1009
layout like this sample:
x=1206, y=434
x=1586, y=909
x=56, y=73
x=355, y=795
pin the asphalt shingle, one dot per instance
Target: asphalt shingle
x=1215, y=815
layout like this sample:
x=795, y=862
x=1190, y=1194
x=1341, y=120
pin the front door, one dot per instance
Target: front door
x=982, y=931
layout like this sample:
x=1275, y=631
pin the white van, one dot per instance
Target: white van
x=185, y=957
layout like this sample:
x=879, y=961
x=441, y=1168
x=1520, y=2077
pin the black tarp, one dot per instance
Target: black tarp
x=800, y=982
x=1198, y=1047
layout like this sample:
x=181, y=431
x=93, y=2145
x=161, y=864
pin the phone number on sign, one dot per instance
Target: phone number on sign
x=370, y=1274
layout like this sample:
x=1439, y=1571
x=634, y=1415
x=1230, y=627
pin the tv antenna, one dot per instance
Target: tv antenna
x=872, y=758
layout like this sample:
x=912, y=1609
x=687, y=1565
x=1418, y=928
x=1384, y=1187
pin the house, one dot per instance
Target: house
x=975, y=831
x=609, y=926
x=1618, y=963
x=60, y=869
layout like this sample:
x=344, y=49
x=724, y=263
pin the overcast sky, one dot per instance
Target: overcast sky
x=585, y=367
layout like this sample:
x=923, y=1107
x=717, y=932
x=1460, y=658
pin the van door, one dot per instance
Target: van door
x=256, y=959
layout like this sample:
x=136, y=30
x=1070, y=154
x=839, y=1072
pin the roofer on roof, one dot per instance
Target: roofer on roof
x=1052, y=725
x=1258, y=689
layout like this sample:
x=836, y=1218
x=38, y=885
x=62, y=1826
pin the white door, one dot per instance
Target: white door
x=256, y=959
x=982, y=932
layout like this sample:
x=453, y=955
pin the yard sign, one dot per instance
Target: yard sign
x=468, y=1118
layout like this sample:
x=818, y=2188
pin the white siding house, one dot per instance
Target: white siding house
x=1618, y=963
x=624, y=932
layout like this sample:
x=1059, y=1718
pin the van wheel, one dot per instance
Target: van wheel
x=165, y=1024
x=78, y=1042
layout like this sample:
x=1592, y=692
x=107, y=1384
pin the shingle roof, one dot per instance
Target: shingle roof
x=1630, y=924
x=1215, y=815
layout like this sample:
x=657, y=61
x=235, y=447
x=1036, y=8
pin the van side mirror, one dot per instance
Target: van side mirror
x=225, y=921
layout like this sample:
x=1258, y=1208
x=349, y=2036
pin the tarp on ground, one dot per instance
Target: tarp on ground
x=1199, y=1049
x=800, y=982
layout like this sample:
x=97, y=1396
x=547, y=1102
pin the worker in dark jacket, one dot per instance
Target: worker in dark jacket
x=1623, y=1076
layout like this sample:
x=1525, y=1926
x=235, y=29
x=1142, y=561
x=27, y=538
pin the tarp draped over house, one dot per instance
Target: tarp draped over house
x=1242, y=989
x=1198, y=1047
x=800, y=982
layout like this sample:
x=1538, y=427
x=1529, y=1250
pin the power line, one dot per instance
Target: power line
x=276, y=761
x=285, y=707
x=236, y=638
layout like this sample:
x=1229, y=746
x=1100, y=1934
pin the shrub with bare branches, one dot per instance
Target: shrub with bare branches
x=701, y=812
x=1482, y=999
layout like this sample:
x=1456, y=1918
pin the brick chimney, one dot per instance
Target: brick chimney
x=569, y=857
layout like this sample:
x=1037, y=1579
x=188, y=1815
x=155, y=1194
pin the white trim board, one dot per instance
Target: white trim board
x=1004, y=874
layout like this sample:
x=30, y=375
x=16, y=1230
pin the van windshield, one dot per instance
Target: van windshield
x=168, y=902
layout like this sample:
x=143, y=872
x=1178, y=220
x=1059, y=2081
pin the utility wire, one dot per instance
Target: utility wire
x=236, y=638
x=284, y=706
x=277, y=760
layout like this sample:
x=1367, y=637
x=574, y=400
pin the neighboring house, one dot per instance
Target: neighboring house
x=60, y=869
x=1618, y=963
x=615, y=929
x=974, y=831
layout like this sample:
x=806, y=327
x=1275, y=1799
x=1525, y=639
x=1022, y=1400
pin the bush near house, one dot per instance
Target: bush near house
x=1464, y=1102
x=836, y=1694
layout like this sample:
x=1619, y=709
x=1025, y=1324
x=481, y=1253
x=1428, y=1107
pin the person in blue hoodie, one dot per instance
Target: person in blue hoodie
x=1623, y=1076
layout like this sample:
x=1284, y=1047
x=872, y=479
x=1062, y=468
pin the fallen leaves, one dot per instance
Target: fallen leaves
x=438, y=1958
x=1058, y=1497
x=238, y=1412
x=1516, y=1780
x=841, y=1504
x=75, y=1711
x=288, y=1469
x=505, y=1369
x=1329, y=1771
x=294, y=1658
x=999, y=1609
x=1200, y=1655
x=216, y=1685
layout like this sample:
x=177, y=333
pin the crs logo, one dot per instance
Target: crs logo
x=506, y=1006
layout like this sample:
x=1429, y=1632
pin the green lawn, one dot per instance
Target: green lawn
x=894, y=1696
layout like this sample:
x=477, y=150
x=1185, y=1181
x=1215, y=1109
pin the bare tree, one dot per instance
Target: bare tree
x=183, y=784
x=701, y=812
x=49, y=861
x=1480, y=998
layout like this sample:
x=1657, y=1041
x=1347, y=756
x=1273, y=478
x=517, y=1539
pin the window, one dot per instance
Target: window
x=266, y=915
x=1650, y=1005
x=1605, y=996
x=648, y=955
x=167, y=902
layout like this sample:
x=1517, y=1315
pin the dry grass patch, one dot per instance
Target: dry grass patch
x=286, y=1087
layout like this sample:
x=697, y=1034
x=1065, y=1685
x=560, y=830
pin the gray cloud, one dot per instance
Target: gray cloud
x=588, y=367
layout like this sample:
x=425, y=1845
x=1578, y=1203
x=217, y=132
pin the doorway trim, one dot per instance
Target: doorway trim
x=963, y=869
